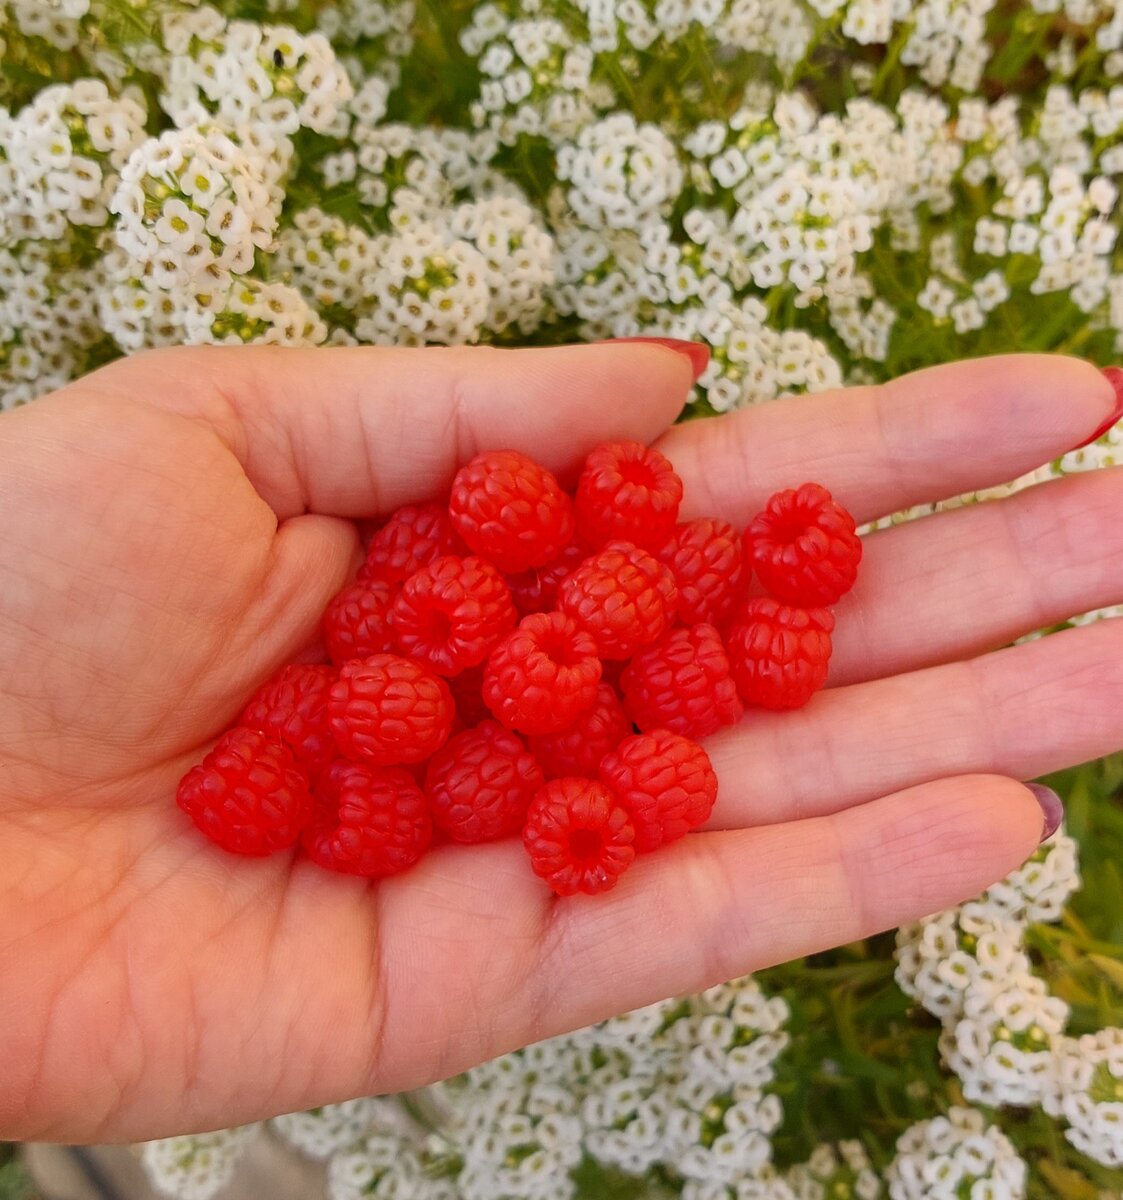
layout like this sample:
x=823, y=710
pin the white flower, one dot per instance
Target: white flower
x=270, y=75
x=426, y=286
x=1040, y=888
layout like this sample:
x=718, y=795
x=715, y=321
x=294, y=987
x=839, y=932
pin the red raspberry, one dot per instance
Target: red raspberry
x=388, y=710
x=578, y=836
x=537, y=590
x=357, y=621
x=413, y=536
x=480, y=782
x=779, y=654
x=627, y=492
x=451, y=613
x=665, y=781
x=803, y=547
x=682, y=683
x=708, y=562
x=623, y=596
x=539, y=678
x=247, y=794
x=578, y=749
x=370, y=821
x=510, y=509
x=292, y=708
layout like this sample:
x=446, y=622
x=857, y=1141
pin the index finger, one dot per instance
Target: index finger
x=926, y=436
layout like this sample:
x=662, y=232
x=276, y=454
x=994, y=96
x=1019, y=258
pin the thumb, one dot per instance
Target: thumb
x=358, y=431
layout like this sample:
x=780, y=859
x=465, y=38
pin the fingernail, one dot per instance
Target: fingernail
x=1051, y=805
x=697, y=352
x=1114, y=376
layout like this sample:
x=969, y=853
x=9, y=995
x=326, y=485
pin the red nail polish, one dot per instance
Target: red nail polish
x=697, y=352
x=1114, y=376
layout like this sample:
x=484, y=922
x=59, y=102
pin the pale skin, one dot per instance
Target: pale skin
x=171, y=529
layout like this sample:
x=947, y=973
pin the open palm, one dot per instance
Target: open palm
x=171, y=529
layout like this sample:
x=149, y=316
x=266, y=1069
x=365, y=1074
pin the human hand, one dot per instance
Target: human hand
x=173, y=526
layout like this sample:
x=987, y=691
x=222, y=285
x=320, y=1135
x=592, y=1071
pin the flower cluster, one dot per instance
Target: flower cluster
x=681, y=1087
x=196, y=1167
x=956, y=1155
x=1003, y=1033
x=242, y=71
x=1087, y=1091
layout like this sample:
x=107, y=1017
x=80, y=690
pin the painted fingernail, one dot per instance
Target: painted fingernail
x=1114, y=376
x=1051, y=805
x=697, y=352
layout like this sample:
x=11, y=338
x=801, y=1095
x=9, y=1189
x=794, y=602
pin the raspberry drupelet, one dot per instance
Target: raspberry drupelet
x=357, y=621
x=623, y=596
x=665, y=781
x=579, y=836
x=579, y=748
x=707, y=559
x=414, y=535
x=292, y=708
x=682, y=683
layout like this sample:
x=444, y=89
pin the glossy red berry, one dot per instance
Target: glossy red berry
x=357, y=621
x=536, y=590
x=779, y=654
x=388, y=710
x=541, y=676
x=292, y=708
x=665, y=781
x=369, y=821
x=247, y=794
x=621, y=595
x=450, y=614
x=804, y=547
x=682, y=683
x=480, y=783
x=579, y=748
x=627, y=492
x=414, y=535
x=707, y=559
x=511, y=510
x=579, y=836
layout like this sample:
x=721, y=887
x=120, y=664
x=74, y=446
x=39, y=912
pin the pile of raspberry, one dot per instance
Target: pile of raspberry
x=529, y=662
